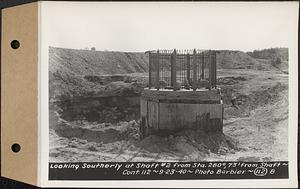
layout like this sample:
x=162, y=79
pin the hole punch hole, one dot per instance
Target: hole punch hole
x=15, y=44
x=16, y=148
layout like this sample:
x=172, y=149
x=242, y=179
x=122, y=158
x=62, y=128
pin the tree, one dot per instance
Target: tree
x=276, y=61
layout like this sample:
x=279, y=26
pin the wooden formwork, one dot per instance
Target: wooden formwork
x=165, y=112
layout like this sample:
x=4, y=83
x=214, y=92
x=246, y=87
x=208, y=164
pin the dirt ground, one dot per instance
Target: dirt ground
x=255, y=129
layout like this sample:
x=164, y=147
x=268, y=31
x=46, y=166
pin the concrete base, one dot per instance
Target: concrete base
x=166, y=112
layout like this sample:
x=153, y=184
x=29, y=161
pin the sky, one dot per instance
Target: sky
x=139, y=27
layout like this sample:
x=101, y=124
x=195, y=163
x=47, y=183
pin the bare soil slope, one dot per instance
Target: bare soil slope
x=277, y=57
x=73, y=73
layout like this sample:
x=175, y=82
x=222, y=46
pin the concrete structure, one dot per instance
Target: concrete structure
x=182, y=93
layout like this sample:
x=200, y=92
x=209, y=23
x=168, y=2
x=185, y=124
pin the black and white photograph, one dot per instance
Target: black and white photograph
x=169, y=82
x=168, y=105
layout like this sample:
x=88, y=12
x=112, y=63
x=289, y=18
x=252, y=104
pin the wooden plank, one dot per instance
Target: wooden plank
x=143, y=107
x=150, y=117
x=144, y=118
x=156, y=116
x=168, y=116
x=153, y=115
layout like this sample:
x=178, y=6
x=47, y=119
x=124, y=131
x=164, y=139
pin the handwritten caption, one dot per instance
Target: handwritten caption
x=153, y=170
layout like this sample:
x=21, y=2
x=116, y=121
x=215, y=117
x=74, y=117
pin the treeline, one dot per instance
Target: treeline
x=275, y=54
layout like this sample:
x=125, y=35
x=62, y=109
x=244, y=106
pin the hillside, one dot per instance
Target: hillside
x=277, y=57
x=227, y=59
x=70, y=70
x=272, y=54
x=84, y=62
x=82, y=73
x=91, y=62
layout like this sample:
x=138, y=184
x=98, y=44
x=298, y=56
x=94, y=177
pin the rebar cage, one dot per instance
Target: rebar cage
x=182, y=69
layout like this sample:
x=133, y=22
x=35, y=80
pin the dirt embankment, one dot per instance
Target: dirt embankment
x=252, y=129
x=277, y=57
x=110, y=109
x=86, y=73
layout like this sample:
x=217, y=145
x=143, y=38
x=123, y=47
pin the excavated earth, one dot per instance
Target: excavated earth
x=106, y=128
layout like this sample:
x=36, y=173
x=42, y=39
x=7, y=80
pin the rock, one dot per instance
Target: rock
x=221, y=151
x=81, y=141
x=132, y=123
x=92, y=148
x=123, y=124
x=136, y=136
x=73, y=144
x=182, y=139
x=108, y=124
